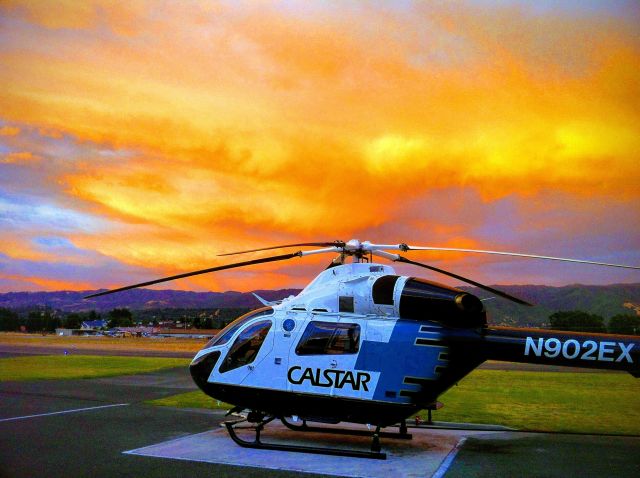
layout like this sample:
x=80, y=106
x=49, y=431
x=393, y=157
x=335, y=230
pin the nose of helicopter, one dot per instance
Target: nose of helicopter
x=201, y=368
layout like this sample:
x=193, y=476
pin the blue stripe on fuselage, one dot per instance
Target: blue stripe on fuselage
x=403, y=356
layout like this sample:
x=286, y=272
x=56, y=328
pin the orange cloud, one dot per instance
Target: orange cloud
x=17, y=246
x=20, y=157
x=9, y=131
x=250, y=124
x=70, y=14
x=123, y=94
x=48, y=284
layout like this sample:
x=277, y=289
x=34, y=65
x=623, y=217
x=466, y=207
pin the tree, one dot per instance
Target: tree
x=624, y=324
x=51, y=321
x=93, y=315
x=35, y=321
x=73, y=321
x=9, y=320
x=577, y=321
x=42, y=320
x=120, y=318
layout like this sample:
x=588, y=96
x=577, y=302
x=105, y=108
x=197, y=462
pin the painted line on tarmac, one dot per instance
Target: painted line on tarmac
x=446, y=463
x=63, y=411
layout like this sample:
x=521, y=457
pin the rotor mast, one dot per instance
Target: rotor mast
x=360, y=251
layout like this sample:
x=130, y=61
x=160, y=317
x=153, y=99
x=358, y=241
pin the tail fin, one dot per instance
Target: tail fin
x=266, y=302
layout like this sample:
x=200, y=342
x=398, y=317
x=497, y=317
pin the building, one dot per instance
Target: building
x=94, y=324
x=64, y=332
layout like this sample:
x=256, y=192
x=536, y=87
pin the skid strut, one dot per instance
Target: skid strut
x=402, y=435
x=257, y=443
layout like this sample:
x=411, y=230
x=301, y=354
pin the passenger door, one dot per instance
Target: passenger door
x=252, y=345
x=323, y=359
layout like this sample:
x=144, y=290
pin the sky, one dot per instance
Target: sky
x=142, y=139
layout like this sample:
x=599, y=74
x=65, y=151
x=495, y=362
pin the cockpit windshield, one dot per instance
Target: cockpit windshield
x=225, y=334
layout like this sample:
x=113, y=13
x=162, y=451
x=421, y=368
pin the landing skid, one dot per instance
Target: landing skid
x=258, y=444
x=402, y=435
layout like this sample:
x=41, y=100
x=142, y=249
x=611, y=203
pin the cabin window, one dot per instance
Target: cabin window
x=329, y=338
x=246, y=347
x=225, y=334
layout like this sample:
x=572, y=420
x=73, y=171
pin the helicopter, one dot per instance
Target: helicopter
x=364, y=345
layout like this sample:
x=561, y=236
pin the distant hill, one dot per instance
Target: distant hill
x=603, y=300
x=139, y=299
x=606, y=301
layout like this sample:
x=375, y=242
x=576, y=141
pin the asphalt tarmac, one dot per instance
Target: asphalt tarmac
x=72, y=428
x=102, y=419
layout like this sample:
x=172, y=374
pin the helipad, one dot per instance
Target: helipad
x=425, y=455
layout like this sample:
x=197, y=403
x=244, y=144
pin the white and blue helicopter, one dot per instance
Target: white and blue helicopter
x=364, y=345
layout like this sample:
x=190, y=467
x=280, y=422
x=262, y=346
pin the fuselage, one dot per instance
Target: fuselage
x=364, y=345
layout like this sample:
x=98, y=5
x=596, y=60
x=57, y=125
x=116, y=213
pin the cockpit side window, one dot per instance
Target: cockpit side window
x=246, y=347
x=329, y=338
x=225, y=334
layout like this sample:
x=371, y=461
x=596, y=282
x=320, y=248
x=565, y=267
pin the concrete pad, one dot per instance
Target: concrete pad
x=419, y=457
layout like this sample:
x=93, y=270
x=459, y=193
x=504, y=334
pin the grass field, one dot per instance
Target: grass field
x=549, y=401
x=546, y=401
x=195, y=399
x=80, y=366
x=103, y=342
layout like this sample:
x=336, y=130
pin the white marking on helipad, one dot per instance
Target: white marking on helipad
x=62, y=412
x=446, y=463
x=420, y=457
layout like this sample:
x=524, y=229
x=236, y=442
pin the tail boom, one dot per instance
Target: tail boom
x=557, y=347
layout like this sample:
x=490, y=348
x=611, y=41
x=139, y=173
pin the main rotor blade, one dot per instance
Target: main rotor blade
x=405, y=247
x=456, y=276
x=203, y=271
x=302, y=244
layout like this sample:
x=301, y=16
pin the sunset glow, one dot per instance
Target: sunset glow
x=141, y=139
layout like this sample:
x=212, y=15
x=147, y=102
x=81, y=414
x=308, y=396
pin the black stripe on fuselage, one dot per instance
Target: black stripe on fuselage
x=429, y=342
x=283, y=404
x=417, y=381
